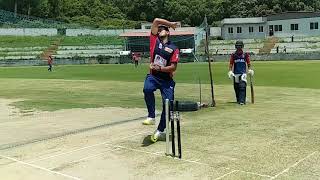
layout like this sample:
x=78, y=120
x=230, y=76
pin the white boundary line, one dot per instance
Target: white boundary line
x=88, y=157
x=294, y=165
x=226, y=175
x=256, y=174
x=186, y=160
x=160, y=152
x=147, y=152
x=96, y=155
x=157, y=154
x=41, y=168
x=246, y=172
x=86, y=147
x=196, y=160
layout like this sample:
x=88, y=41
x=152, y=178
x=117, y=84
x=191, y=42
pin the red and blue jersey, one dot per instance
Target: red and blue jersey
x=240, y=61
x=163, y=55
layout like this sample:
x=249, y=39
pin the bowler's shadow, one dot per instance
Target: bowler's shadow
x=233, y=102
x=147, y=141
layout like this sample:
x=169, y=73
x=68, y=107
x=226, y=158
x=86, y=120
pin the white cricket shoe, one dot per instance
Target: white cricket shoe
x=149, y=121
x=158, y=135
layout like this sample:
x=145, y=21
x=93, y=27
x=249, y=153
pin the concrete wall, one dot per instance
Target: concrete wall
x=54, y=32
x=28, y=32
x=38, y=62
x=215, y=31
x=304, y=27
x=72, y=32
x=245, y=31
x=111, y=32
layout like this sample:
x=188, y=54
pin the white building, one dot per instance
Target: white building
x=279, y=25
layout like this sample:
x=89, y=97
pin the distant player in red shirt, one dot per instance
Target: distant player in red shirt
x=136, y=58
x=50, y=62
x=164, y=59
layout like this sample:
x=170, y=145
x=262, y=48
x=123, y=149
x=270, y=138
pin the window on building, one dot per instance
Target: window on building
x=314, y=25
x=294, y=27
x=230, y=30
x=278, y=28
x=271, y=28
x=260, y=28
x=239, y=30
x=250, y=29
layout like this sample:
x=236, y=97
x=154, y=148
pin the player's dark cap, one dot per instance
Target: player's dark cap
x=239, y=44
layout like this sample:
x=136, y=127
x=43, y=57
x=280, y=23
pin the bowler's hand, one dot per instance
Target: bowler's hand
x=174, y=25
x=155, y=67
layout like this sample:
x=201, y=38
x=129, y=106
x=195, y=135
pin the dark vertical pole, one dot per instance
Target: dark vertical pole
x=172, y=136
x=15, y=8
x=29, y=10
x=251, y=88
x=200, y=92
x=179, y=138
x=178, y=132
x=213, y=102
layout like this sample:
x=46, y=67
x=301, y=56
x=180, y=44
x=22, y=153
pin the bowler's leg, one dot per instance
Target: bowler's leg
x=150, y=85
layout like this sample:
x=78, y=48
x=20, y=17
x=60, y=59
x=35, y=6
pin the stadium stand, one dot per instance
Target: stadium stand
x=88, y=51
x=299, y=45
x=225, y=47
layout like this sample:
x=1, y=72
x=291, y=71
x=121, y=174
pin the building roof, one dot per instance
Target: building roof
x=254, y=20
x=147, y=34
x=293, y=15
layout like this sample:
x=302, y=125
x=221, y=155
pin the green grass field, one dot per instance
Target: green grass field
x=299, y=74
x=40, y=41
x=36, y=82
x=276, y=138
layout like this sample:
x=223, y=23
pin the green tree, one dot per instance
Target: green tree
x=191, y=12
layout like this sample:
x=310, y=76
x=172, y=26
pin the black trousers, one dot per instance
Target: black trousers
x=50, y=67
x=240, y=90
